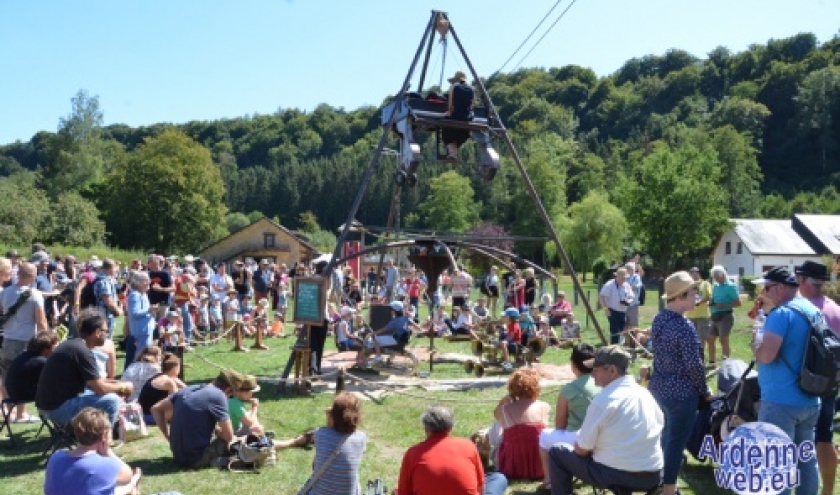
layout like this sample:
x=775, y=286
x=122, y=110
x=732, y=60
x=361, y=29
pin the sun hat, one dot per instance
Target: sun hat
x=780, y=275
x=812, y=269
x=459, y=76
x=264, y=261
x=397, y=306
x=678, y=283
x=249, y=384
x=189, y=258
x=614, y=355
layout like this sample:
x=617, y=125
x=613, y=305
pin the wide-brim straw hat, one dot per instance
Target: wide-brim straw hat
x=678, y=283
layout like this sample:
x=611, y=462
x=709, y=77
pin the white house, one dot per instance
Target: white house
x=755, y=246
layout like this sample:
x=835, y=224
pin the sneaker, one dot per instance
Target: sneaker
x=507, y=366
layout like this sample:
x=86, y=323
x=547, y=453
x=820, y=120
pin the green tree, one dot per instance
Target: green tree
x=450, y=205
x=24, y=209
x=168, y=196
x=740, y=173
x=818, y=98
x=671, y=205
x=79, y=157
x=594, y=228
x=236, y=221
x=74, y=221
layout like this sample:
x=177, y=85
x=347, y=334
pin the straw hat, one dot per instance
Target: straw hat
x=678, y=283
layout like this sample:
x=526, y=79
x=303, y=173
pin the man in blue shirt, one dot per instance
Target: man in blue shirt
x=783, y=403
x=396, y=332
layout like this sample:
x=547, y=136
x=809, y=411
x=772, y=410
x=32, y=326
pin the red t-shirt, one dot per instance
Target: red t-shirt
x=441, y=464
x=414, y=285
x=514, y=332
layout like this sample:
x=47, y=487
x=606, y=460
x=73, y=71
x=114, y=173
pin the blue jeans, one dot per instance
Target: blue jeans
x=798, y=422
x=679, y=421
x=617, y=321
x=495, y=483
x=111, y=319
x=130, y=350
x=108, y=403
x=187, y=320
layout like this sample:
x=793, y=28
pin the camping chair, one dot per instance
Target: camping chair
x=8, y=406
x=61, y=436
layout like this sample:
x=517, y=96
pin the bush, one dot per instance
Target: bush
x=599, y=266
x=832, y=291
x=750, y=288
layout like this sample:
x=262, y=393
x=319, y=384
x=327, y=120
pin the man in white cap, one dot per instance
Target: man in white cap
x=396, y=332
x=618, y=443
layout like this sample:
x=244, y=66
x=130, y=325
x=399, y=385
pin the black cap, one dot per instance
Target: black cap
x=780, y=275
x=812, y=269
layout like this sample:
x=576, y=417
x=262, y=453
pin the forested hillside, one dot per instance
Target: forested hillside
x=655, y=156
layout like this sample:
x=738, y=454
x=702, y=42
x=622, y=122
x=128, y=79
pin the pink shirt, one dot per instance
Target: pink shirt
x=831, y=312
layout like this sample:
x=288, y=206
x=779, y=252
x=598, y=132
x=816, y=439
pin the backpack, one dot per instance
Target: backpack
x=820, y=370
x=87, y=298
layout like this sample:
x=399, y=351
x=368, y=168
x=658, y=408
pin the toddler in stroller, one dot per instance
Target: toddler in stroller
x=736, y=403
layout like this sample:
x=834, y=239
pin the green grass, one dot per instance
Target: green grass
x=391, y=423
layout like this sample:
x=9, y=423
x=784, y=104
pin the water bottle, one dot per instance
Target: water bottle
x=758, y=326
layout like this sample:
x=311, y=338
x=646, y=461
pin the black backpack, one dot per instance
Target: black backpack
x=87, y=298
x=820, y=370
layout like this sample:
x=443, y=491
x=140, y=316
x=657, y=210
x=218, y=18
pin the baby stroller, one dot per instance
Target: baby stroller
x=736, y=403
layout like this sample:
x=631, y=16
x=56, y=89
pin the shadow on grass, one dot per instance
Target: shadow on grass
x=700, y=478
x=25, y=457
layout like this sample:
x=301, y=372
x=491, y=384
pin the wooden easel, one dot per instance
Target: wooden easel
x=302, y=353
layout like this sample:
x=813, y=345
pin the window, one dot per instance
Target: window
x=739, y=248
x=269, y=240
x=728, y=247
x=740, y=271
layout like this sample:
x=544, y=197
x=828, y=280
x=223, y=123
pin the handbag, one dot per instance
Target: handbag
x=312, y=479
x=251, y=451
x=131, y=423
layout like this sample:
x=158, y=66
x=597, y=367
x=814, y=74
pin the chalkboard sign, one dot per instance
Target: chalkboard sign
x=310, y=300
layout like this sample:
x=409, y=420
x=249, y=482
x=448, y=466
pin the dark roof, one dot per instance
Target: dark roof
x=820, y=231
x=771, y=237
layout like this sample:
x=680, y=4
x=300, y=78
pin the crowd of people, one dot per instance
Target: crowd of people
x=608, y=429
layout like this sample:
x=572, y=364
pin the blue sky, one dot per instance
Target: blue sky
x=181, y=60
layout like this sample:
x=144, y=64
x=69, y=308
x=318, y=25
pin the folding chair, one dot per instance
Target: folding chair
x=61, y=437
x=8, y=406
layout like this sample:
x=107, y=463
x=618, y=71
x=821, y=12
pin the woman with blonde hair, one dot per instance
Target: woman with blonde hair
x=522, y=417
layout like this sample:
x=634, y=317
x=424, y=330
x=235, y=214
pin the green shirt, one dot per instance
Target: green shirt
x=236, y=410
x=579, y=393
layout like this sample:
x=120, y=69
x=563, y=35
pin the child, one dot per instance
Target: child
x=215, y=316
x=171, y=330
x=245, y=421
x=203, y=320
x=545, y=332
x=259, y=316
x=246, y=306
x=282, y=302
x=512, y=338
x=344, y=334
x=232, y=310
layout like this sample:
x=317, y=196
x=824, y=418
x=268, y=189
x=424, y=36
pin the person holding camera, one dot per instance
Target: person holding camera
x=615, y=297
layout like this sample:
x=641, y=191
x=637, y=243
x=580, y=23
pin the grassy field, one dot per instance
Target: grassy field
x=391, y=423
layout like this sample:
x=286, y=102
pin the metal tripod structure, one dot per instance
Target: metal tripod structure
x=498, y=126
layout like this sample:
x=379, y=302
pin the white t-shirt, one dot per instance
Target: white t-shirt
x=220, y=285
x=614, y=294
x=22, y=325
x=461, y=285
x=622, y=427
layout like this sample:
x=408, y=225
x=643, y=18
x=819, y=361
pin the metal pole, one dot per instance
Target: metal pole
x=374, y=161
x=429, y=46
x=530, y=186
